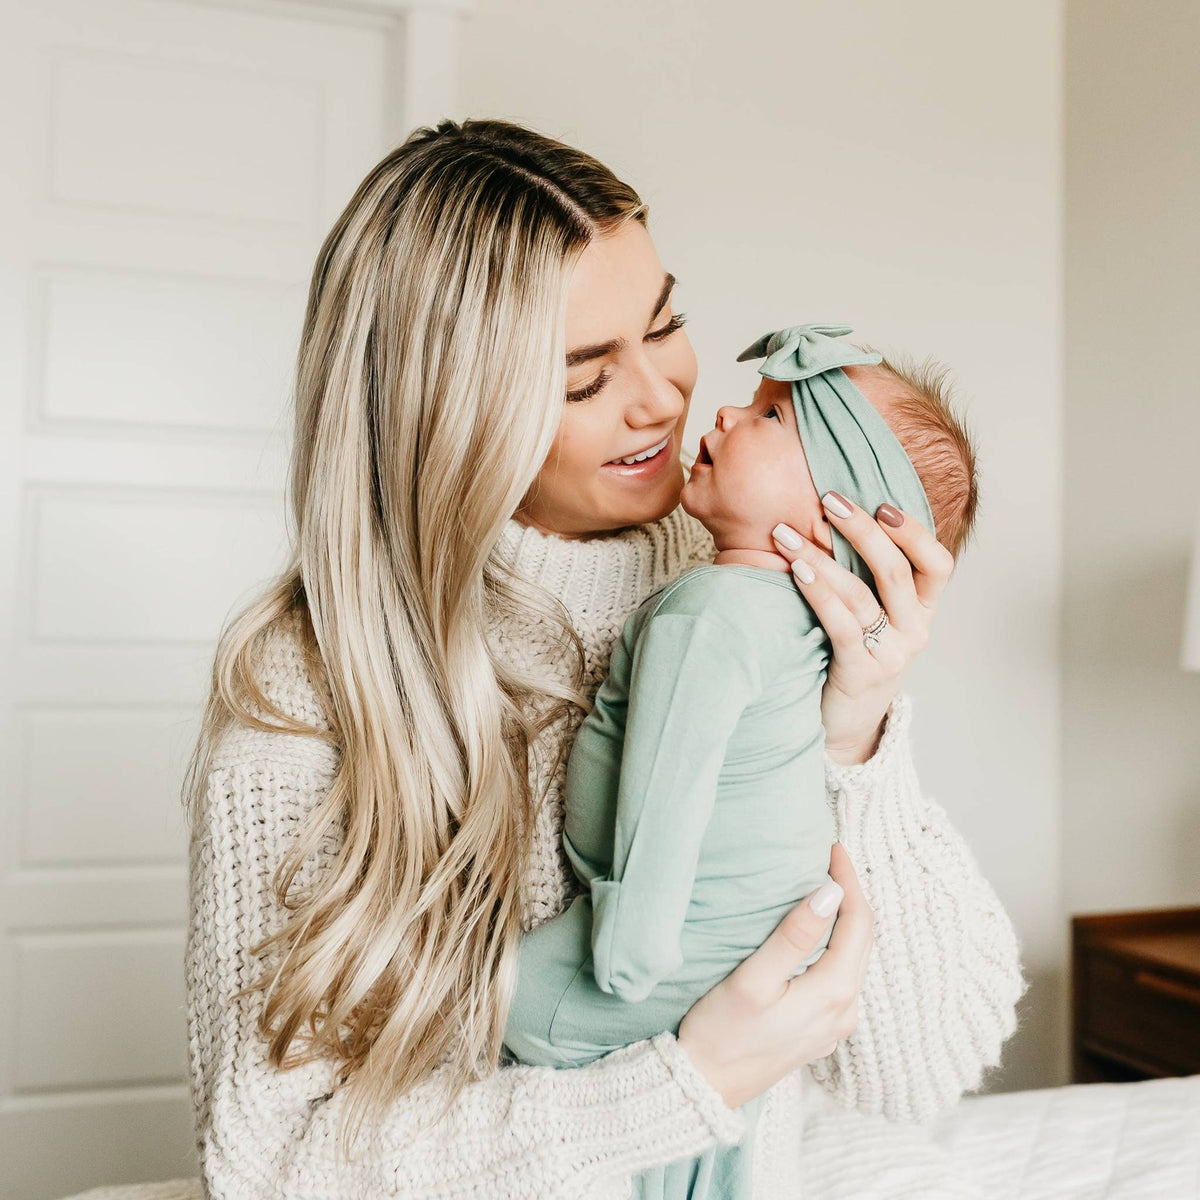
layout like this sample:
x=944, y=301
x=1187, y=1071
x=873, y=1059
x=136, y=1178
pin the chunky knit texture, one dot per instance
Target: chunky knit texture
x=937, y=1004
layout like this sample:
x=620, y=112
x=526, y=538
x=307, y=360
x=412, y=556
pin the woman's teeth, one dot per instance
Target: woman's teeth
x=645, y=454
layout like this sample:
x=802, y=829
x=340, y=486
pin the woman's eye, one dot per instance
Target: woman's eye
x=678, y=321
x=586, y=393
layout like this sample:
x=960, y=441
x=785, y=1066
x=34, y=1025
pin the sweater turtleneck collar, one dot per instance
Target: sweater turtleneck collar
x=610, y=573
x=600, y=580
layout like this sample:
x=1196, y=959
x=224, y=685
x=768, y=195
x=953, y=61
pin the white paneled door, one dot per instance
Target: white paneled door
x=169, y=170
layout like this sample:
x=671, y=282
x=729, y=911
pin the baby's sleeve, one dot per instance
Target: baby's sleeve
x=692, y=676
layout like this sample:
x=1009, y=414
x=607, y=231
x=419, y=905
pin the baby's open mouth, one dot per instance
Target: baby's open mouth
x=704, y=456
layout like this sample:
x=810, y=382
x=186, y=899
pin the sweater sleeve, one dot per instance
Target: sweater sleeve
x=939, y=998
x=263, y=1132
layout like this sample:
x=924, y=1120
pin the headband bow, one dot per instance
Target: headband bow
x=850, y=448
x=800, y=351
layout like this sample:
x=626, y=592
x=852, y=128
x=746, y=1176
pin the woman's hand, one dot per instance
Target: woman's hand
x=911, y=567
x=758, y=1023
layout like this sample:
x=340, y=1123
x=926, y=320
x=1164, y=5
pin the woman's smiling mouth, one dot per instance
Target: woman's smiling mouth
x=645, y=462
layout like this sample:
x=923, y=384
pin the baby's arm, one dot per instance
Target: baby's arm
x=692, y=676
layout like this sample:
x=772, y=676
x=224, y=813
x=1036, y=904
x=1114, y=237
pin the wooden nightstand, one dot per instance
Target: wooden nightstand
x=1135, y=980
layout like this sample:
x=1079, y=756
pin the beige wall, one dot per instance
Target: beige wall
x=1131, y=746
x=896, y=166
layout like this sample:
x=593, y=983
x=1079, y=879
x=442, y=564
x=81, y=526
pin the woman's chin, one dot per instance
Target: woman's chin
x=664, y=499
x=673, y=489
x=653, y=501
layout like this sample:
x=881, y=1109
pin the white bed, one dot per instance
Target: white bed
x=1096, y=1141
x=1099, y=1141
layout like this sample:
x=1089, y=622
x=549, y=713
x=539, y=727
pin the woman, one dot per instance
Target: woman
x=376, y=790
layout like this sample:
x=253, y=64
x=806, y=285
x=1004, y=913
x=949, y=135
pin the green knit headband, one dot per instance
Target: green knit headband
x=850, y=448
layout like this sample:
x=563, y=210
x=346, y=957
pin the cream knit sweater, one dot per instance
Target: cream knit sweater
x=937, y=1004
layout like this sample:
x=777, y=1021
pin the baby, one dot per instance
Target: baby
x=695, y=806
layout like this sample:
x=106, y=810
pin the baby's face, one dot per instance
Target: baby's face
x=751, y=473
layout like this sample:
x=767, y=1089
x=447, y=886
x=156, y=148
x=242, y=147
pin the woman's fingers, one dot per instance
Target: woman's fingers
x=843, y=967
x=910, y=567
x=854, y=905
x=844, y=963
x=759, y=1022
x=932, y=562
x=844, y=604
x=766, y=972
x=889, y=564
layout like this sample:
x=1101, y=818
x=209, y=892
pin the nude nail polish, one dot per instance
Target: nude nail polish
x=836, y=504
x=890, y=516
x=826, y=899
x=785, y=535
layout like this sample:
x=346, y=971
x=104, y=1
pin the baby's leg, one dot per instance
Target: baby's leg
x=552, y=955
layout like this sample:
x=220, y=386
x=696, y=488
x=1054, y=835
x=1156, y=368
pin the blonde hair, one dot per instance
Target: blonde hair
x=429, y=388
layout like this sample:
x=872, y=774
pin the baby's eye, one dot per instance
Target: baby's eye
x=774, y=412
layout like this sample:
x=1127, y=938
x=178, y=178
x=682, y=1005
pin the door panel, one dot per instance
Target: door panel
x=170, y=170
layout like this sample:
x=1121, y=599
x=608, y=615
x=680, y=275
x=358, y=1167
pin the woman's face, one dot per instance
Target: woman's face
x=630, y=375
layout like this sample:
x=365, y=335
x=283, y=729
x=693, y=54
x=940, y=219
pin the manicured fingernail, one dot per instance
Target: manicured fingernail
x=826, y=898
x=803, y=571
x=836, y=504
x=785, y=535
x=890, y=516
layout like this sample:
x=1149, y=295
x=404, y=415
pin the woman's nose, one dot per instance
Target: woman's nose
x=658, y=400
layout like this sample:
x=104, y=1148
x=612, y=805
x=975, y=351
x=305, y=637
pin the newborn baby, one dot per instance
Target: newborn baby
x=695, y=805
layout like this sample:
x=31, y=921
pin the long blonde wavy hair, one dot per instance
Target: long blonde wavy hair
x=428, y=391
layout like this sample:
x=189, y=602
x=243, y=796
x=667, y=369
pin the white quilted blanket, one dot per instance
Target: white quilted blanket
x=1096, y=1141
x=1099, y=1141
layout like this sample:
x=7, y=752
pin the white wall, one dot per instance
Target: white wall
x=898, y=167
x=1131, y=744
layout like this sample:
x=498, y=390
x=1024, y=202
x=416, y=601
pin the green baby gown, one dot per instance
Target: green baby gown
x=695, y=806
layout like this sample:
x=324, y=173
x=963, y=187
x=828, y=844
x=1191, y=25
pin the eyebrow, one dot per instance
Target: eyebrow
x=582, y=354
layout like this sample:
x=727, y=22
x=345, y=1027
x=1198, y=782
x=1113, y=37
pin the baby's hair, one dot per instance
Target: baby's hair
x=922, y=416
